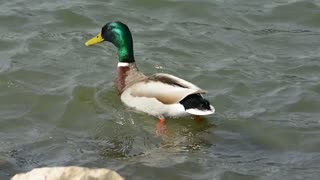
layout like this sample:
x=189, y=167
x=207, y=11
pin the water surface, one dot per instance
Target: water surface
x=258, y=60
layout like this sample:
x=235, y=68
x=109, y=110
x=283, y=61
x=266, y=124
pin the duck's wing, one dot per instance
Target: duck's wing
x=165, y=88
x=174, y=80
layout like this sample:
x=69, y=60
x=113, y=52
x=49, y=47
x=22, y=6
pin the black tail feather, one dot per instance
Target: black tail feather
x=195, y=101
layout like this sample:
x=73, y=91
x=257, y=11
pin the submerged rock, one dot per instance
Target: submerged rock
x=68, y=173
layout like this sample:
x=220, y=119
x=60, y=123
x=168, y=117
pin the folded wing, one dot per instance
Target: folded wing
x=165, y=88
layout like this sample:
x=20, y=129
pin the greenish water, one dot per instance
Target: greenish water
x=258, y=60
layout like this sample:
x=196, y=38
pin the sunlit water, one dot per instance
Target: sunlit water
x=259, y=60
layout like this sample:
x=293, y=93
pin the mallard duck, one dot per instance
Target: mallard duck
x=160, y=95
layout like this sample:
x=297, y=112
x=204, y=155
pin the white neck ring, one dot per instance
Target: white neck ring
x=123, y=64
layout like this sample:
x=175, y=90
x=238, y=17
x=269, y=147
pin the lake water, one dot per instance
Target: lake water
x=259, y=60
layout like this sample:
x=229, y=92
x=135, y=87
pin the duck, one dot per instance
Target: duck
x=160, y=95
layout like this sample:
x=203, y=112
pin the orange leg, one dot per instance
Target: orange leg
x=198, y=119
x=161, y=128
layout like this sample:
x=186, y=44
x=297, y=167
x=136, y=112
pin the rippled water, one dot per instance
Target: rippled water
x=258, y=60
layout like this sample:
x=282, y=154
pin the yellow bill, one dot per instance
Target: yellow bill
x=95, y=40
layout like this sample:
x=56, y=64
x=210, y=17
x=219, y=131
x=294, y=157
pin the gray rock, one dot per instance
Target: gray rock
x=68, y=173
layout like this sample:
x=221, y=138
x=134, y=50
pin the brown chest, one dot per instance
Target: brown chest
x=122, y=73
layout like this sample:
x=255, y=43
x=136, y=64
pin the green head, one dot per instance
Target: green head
x=119, y=35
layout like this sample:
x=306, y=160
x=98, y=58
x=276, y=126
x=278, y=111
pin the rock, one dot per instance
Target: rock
x=68, y=173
